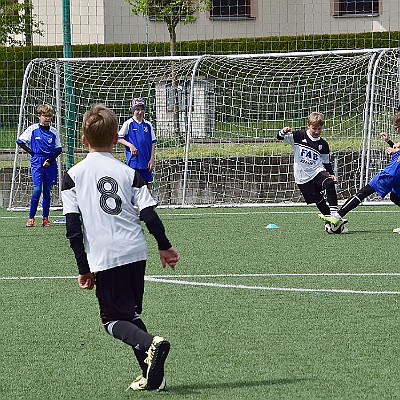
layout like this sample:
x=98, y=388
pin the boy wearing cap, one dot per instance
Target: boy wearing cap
x=137, y=135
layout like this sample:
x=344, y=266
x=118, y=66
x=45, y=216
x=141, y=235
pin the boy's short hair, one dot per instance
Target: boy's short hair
x=45, y=109
x=396, y=120
x=100, y=125
x=316, y=119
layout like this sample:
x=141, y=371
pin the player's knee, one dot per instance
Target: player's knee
x=140, y=324
x=37, y=191
x=46, y=192
x=328, y=184
x=108, y=326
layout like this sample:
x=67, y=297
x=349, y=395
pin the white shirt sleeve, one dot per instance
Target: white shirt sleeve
x=27, y=134
x=124, y=130
x=69, y=200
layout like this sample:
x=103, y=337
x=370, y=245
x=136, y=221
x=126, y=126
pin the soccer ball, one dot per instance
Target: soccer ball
x=329, y=228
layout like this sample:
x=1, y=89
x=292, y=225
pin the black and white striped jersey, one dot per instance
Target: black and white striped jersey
x=310, y=154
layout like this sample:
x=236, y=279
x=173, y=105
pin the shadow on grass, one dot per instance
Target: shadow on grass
x=186, y=389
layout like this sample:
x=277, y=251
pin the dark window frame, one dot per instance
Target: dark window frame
x=356, y=8
x=231, y=10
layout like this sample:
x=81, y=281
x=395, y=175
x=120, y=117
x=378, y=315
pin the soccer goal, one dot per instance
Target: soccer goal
x=216, y=118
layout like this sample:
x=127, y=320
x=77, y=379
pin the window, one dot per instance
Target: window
x=355, y=7
x=231, y=9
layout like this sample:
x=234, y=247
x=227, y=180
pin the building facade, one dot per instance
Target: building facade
x=110, y=21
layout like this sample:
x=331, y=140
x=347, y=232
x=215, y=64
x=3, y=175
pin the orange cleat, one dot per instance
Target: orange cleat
x=46, y=222
x=30, y=223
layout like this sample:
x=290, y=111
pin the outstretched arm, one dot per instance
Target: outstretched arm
x=385, y=137
x=281, y=134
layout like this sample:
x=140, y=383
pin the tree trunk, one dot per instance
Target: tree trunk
x=174, y=86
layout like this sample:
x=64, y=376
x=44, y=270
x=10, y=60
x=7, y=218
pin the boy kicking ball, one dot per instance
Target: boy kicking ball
x=103, y=202
x=313, y=172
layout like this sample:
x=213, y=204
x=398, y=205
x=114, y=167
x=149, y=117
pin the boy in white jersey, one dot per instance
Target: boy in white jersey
x=313, y=171
x=103, y=202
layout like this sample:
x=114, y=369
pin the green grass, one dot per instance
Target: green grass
x=231, y=341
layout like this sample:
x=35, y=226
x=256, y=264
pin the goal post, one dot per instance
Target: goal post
x=216, y=118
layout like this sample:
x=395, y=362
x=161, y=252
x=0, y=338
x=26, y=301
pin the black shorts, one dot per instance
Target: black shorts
x=312, y=191
x=120, y=290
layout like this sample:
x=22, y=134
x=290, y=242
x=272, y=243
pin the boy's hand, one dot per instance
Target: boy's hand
x=286, y=130
x=394, y=149
x=133, y=149
x=86, y=281
x=333, y=177
x=384, y=136
x=170, y=257
x=46, y=164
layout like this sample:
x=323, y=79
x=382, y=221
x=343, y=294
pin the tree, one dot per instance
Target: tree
x=171, y=12
x=17, y=19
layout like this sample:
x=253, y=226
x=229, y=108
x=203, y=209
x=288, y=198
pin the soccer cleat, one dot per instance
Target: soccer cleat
x=396, y=230
x=30, y=222
x=156, y=356
x=45, y=222
x=333, y=220
x=140, y=383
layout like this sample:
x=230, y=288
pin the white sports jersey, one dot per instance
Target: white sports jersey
x=309, y=155
x=102, y=192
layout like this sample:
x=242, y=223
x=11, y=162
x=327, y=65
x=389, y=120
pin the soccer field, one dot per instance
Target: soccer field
x=251, y=313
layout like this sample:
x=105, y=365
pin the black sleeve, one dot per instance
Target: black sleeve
x=155, y=227
x=280, y=135
x=390, y=143
x=25, y=147
x=329, y=168
x=55, y=155
x=75, y=236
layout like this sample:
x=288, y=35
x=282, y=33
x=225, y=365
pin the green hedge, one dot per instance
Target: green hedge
x=13, y=60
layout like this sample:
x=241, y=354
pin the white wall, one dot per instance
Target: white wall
x=109, y=21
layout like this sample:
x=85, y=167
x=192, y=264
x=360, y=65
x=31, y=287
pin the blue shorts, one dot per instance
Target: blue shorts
x=41, y=175
x=145, y=174
x=384, y=183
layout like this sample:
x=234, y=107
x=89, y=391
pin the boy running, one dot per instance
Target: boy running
x=104, y=200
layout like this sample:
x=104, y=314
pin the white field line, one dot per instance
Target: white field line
x=213, y=212
x=277, y=289
x=280, y=274
x=172, y=279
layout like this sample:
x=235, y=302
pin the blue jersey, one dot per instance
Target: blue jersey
x=41, y=141
x=142, y=137
x=388, y=180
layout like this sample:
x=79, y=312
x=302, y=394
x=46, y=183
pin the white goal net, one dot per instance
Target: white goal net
x=216, y=118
